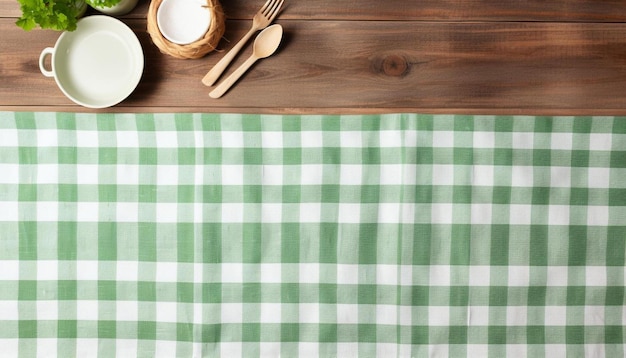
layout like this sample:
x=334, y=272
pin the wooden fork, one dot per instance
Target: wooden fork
x=261, y=20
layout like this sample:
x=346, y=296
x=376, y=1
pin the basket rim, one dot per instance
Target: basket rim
x=196, y=49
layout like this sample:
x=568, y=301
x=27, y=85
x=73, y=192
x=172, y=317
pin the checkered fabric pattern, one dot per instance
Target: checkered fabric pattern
x=205, y=235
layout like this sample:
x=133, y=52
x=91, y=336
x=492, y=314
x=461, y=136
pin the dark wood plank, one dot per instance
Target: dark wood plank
x=433, y=55
x=502, y=67
x=369, y=66
x=9, y=8
x=443, y=10
x=407, y=10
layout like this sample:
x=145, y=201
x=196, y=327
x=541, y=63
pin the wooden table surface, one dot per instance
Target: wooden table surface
x=558, y=57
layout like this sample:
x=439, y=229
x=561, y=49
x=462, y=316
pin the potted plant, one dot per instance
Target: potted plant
x=113, y=7
x=62, y=15
x=51, y=14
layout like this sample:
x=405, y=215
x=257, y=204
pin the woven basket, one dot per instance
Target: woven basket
x=195, y=49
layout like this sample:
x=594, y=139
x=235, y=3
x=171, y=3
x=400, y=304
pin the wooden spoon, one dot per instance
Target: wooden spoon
x=265, y=44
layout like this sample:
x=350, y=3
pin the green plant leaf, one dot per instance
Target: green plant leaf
x=26, y=23
x=49, y=14
x=102, y=3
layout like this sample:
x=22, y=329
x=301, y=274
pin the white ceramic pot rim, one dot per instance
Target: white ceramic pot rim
x=121, y=8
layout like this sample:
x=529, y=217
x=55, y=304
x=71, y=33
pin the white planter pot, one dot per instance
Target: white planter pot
x=122, y=8
x=82, y=8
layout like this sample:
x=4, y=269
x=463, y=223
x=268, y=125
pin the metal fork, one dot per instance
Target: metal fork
x=261, y=20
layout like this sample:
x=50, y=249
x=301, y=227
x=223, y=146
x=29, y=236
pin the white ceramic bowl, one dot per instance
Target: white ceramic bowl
x=98, y=65
x=183, y=21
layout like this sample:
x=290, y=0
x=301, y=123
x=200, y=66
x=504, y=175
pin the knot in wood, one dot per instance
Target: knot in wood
x=395, y=65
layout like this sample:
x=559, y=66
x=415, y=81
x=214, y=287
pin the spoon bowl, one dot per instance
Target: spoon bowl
x=268, y=41
x=265, y=44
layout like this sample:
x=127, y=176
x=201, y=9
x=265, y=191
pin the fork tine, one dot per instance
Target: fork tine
x=275, y=9
x=268, y=4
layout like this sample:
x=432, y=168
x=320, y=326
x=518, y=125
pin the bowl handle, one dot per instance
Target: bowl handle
x=48, y=51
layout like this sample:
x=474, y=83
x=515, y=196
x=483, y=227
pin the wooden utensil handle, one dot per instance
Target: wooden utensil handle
x=212, y=76
x=230, y=80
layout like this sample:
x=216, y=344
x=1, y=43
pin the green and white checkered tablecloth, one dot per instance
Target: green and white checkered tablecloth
x=399, y=235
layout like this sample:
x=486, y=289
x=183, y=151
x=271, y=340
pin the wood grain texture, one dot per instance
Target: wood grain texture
x=507, y=57
x=444, y=10
x=410, y=10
